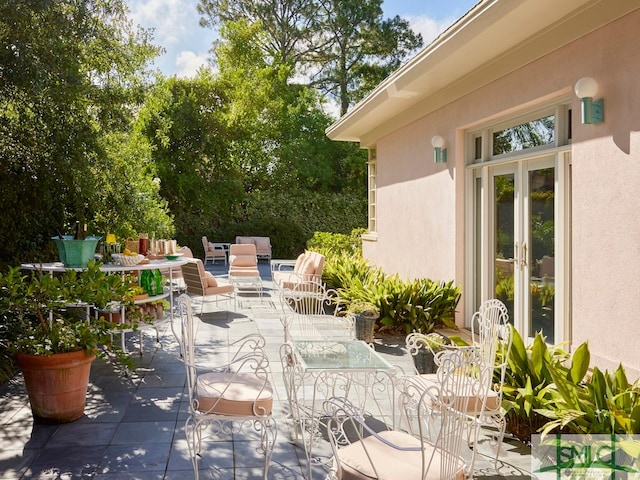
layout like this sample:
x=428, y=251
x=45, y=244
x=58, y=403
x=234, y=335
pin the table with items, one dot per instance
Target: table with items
x=151, y=281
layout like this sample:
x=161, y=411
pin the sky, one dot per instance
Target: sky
x=177, y=29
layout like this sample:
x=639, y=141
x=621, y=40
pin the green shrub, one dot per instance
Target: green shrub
x=418, y=305
x=528, y=383
x=331, y=244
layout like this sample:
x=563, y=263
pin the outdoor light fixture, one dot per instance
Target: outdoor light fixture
x=439, y=152
x=592, y=110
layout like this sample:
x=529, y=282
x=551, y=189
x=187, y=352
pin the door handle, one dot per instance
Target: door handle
x=523, y=260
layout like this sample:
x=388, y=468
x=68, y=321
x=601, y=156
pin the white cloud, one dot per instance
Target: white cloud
x=188, y=63
x=429, y=27
x=172, y=19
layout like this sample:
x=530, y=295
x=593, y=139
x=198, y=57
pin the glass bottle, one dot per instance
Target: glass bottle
x=146, y=281
x=157, y=278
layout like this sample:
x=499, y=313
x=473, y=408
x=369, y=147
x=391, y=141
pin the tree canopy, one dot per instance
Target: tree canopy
x=70, y=72
x=88, y=134
x=343, y=47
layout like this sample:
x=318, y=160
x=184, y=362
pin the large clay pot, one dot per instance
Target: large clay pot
x=56, y=384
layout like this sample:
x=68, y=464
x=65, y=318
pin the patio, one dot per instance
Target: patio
x=133, y=427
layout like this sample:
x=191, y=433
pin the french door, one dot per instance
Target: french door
x=520, y=246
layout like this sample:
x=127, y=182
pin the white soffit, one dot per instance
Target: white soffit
x=494, y=38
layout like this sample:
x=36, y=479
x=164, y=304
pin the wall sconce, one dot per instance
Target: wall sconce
x=592, y=110
x=439, y=152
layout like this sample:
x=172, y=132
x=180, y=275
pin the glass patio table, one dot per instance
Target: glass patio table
x=316, y=370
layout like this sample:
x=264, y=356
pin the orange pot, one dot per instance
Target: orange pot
x=56, y=384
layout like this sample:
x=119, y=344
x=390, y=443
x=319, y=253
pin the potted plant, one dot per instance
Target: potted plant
x=423, y=347
x=364, y=314
x=49, y=334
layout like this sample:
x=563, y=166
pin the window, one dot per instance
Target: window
x=534, y=133
x=372, y=191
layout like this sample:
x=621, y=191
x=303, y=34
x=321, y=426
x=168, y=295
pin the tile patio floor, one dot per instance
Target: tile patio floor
x=133, y=427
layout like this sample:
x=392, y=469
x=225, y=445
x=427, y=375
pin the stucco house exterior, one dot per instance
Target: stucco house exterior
x=532, y=205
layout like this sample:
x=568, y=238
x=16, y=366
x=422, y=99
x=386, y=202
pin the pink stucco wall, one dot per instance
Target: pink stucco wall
x=421, y=204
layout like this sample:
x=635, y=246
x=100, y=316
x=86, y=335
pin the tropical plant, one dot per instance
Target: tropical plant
x=598, y=403
x=417, y=305
x=529, y=383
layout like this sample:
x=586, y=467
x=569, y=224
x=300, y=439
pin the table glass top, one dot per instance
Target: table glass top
x=339, y=355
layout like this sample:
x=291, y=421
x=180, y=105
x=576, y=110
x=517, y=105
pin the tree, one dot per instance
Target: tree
x=344, y=47
x=360, y=48
x=70, y=71
x=279, y=140
x=185, y=122
x=288, y=24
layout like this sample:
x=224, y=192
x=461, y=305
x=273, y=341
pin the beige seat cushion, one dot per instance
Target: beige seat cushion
x=299, y=261
x=244, y=240
x=390, y=463
x=244, y=272
x=242, y=260
x=219, y=290
x=262, y=243
x=210, y=279
x=308, y=267
x=215, y=394
x=473, y=404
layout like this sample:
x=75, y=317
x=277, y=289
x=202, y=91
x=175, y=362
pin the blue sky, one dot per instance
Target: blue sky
x=187, y=44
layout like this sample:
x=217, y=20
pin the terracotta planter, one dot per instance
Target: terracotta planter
x=56, y=384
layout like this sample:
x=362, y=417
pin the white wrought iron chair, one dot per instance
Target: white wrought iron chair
x=430, y=444
x=311, y=312
x=213, y=251
x=229, y=398
x=491, y=337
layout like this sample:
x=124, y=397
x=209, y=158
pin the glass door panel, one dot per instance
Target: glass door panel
x=504, y=239
x=540, y=234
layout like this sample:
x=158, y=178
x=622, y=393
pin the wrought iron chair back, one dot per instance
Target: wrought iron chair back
x=429, y=445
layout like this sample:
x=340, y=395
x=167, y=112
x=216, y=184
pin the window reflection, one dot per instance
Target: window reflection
x=526, y=135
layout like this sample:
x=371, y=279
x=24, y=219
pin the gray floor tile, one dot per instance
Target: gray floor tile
x=14, y=462
x=143, y=433
x=135, y=458
x=77, y=434
x=61, y=462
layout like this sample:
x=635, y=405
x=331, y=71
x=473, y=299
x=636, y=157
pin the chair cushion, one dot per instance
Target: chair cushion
x=210, y=279
x=473, y=404
x=242, y=260
x=222, y=394
x=308, y=266
x=244, y=240
x=390, y=463
x=262, y=243
x=299, y=261
x=219, y=290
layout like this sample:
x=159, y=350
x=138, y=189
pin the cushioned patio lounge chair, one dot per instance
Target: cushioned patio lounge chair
x=201, y=283
x=213, y=252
